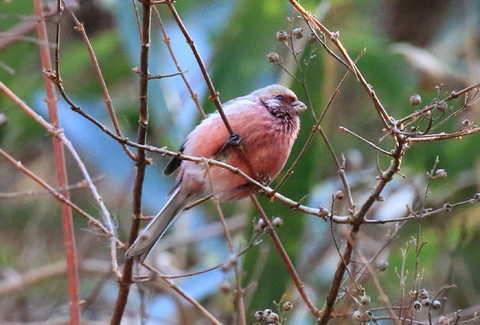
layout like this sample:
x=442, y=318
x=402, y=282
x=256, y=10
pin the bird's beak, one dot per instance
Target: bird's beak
x=299, y=107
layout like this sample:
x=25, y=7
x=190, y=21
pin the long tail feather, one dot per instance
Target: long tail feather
x=158, y=225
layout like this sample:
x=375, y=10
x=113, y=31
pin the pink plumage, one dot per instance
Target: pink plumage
x=266, y=121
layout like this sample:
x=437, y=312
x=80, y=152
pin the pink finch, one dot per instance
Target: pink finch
x=266, y=124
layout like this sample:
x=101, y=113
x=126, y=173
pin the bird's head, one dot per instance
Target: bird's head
x=280, y=100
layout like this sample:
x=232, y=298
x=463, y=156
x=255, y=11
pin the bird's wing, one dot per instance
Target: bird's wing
x=174, y=163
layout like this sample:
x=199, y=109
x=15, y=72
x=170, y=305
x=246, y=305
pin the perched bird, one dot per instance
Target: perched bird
x=265, y=123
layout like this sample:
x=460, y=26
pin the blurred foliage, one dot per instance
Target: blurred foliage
x=234, y=38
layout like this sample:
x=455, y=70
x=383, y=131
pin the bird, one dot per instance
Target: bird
x=265, y=124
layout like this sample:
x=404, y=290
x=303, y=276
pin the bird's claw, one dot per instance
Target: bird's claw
x=234, y=139
x=265, y=179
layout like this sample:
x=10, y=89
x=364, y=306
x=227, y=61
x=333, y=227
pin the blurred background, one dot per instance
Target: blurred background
x=426, y=47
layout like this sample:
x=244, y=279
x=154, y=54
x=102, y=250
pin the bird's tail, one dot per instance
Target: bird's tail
x=158, y=225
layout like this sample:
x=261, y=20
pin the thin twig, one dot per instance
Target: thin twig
x=162, y=76
x=366, y=141
x=79, y=185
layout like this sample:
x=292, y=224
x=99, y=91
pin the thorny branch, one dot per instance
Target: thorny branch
x=394, y=128
x=141, y=163
x=60, y=169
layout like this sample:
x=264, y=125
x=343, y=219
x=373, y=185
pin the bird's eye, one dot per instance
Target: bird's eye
x=279, y=97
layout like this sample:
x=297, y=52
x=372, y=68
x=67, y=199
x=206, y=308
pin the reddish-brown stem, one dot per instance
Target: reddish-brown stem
x=141, y=163
x=286, y=259
x=60, y=168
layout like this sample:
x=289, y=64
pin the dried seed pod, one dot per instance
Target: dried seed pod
x=277, y=222
x=324, y=212
x=448, y=207
x=423, y=294
x=417, y=305
x=436, y=304
x=274, y=57
x=442, y=106
x=426, y=302
x=440, y=173
x=281, y=35
x=272, y=318
x=357, y=315
x=364, y=300
x=298, y=32
x=259, y=315
x=339, y=195
x=415, y=99
x=287, y=306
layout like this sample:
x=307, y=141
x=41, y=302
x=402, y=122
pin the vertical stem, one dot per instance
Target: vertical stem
x=60, y=168
x=141, y=162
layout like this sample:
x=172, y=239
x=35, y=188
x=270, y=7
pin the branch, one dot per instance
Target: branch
x=141, y=163
x=60, y=168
